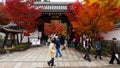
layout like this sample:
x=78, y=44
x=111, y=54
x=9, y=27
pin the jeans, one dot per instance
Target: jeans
x=58, y=52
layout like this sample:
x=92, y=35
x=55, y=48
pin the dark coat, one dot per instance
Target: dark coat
x=62, y=40
x=57, y=44
x=114, y=47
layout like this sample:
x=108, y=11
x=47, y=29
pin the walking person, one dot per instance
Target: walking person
x=87, y=46
x=57, y=41
x=114, y=51
x=98, y=49
x=68, y=40
x=76, y=41
x=62, y=41
x=51, y=53
x=48, y=40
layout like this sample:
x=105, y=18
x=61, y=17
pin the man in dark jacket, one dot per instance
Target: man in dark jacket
x=62, y=41
x=87, y=46
x=57, y=41
x=114, y=50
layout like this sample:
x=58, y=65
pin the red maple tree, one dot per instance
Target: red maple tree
x=54, y=27
x=23, y=14
x=4, y=16
x=94, y=18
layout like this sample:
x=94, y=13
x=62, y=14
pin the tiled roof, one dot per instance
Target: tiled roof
x=53, y=7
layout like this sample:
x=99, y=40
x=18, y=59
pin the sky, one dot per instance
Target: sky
x=58, y=0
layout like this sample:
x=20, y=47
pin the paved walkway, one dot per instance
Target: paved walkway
x=36, y=57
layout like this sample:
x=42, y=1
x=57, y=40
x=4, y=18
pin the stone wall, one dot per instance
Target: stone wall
x=111, y=34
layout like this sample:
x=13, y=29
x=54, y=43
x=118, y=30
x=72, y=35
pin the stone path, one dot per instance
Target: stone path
x=37, y=57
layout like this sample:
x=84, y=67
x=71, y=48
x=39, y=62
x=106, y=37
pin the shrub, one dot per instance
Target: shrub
x=105, y=48
x=105, y=51
x=106, y=43
x=20, y=47
x=2, y=50
x=80, y=47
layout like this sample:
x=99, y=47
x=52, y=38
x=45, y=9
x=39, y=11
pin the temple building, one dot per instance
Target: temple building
x=51, y=11
x=57, y=11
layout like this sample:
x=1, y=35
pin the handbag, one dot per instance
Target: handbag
x=117, y=56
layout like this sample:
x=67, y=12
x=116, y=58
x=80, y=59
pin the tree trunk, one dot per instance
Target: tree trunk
x=94, y=38
x=21, y=38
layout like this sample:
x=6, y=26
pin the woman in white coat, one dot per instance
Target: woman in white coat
x=51, y=53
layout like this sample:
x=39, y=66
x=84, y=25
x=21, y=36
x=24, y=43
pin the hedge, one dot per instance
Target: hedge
x=19, y=47
x=105, y=48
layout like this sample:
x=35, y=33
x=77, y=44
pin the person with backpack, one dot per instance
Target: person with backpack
x=98, y=49
x=87, y=46
x=57, y=42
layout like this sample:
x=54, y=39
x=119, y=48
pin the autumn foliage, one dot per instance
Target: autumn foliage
x=4, y=16
x=54, y=27
x=95, y=17
x=23, y=14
